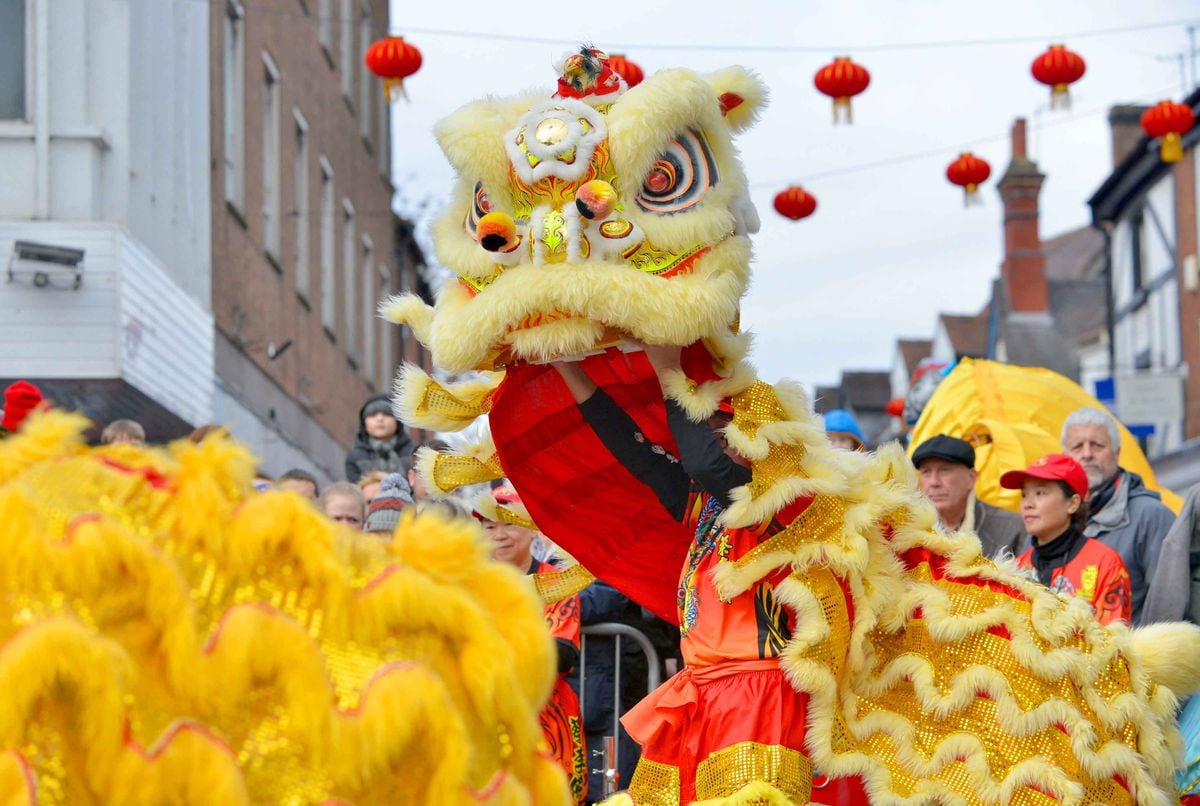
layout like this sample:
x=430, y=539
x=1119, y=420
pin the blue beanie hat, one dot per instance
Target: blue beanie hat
x=843, y=422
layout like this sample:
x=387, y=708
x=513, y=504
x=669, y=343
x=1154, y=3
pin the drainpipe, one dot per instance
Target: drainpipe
x=1110, y=324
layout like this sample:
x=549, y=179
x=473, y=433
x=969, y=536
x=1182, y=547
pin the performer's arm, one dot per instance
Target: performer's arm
x=568, y=655
x=704, y=457
x=649, y=463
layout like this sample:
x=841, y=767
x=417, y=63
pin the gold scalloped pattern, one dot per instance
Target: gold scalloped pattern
x=946, y=685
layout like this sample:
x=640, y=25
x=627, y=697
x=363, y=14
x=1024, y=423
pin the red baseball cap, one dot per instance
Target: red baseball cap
x=1051, y=467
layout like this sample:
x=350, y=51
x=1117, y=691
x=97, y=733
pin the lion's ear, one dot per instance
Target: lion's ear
x=742, y=95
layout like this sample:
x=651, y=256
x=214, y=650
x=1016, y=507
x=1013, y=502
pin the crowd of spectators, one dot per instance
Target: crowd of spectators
x=1086, y=527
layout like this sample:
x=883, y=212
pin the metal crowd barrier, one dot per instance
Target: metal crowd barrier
x=609, y=753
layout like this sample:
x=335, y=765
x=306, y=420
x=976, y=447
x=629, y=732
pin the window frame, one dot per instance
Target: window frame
x=346, y=52
x=328, y=214
x=349, y=270
x=272, y=158
x=29, y=69
x=233, y=65
x=365, y=36
x=302, y=207
x=369, y=304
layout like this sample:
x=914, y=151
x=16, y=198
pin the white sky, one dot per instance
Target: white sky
x=889, y=247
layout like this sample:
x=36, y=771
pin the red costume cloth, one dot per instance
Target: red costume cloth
x=732, y=702
x=1096, y=575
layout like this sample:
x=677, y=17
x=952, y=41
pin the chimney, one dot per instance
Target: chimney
x=1024, y=267
x=1125, y=121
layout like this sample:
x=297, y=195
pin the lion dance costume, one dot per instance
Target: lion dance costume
x=168, y=636
x=596, y=216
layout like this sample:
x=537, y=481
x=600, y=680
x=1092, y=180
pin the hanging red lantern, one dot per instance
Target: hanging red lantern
x=1169, y=120
x=393, y=60
x=795, y=203
x=1059, y=68
x=968, y=172
x=841, y=80
x=626, y=69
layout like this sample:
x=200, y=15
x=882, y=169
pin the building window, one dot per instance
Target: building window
x=270, y=139
x=325, y=25
x=368, y=309
x=235, y=103
x=14, y=77
x=328, y=303
x=385, y=134
x=300, y=215
x=1137, y=250
x=347, y=55
x=349, y=269
x=387, y=331
x=364, y=76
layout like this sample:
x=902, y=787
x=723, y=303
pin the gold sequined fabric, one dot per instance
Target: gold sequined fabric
x=820, y=522
x=726, y=771
x=755, y=407
x=654, y=784
x=554, y=586
x=439, y=401
x=451, y=471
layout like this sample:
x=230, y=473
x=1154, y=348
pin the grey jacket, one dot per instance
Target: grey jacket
x=1175, y=587
x=999, y=529
x=1133, y=524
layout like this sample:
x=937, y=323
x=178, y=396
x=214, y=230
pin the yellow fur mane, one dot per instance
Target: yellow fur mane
x=168, y=636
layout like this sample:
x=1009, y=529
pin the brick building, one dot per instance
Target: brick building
x=195, y=217
x=304, y=239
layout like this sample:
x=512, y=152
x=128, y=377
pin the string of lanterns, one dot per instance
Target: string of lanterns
x=393, y=60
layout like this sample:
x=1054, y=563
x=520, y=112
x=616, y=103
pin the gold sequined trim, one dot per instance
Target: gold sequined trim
x=654, y=784
x=756, y=407
x=726, y=771
x=821, y=522
x=824, y=586
x=451, y=471
x=783, y=461
x=558, y=585
x=438, y=400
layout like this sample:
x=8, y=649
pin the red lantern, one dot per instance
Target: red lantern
x=795, y=203
x=969, y=172
x=1058, y=68
x=626, y=69
x=841, y=80
x=393, y=60
x=1169, y=120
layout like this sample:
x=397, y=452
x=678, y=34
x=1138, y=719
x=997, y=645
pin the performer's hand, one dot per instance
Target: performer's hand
x=578, y=383
x=663, y=356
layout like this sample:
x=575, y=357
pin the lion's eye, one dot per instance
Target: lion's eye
x=680, y=177
x=480, y=206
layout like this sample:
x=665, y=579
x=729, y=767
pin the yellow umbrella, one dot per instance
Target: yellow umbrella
x=1013, y=415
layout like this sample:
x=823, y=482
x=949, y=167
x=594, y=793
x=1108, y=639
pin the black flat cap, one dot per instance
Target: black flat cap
x=945, y=447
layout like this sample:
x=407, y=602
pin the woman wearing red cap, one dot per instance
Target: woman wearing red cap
x=1052, y=504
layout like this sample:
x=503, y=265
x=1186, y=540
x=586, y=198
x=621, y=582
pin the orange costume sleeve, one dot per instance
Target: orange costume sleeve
x=562, y=617
x=1114, y=595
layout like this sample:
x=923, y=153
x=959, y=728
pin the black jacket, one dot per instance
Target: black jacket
x=367, y=454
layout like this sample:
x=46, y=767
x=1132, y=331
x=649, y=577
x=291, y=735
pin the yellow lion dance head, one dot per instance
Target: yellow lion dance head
x=575, y=226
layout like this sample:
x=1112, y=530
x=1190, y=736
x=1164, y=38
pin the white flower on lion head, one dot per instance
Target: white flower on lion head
x=582, y=222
